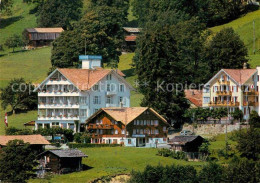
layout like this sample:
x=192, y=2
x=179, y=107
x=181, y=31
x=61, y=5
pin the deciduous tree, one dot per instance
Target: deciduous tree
x=59, y=13
x=100, y=30
x=14, y=41
x=19, y=95
x=17, y=161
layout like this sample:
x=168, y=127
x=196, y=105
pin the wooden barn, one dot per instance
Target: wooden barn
x=131, y=34
x=37, y=37
x=61, y=161
x=186, y=143
x=37, y=142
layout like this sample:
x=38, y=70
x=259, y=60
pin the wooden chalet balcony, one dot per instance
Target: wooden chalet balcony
x=223, y=104
x=101, y=126
x=250, y=103
x=94, y=135
x=252, y=92
x=226, y=93
x=223, y=82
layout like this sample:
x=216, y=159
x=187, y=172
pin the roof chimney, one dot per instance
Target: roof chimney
x=245, y=65
x=90, y=61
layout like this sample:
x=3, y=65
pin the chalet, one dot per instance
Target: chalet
x=131, y=34
x=41, y=36
x=37, y=142
x=129, y=126
x=61, y=161
x=194, y=97
x=186, y=143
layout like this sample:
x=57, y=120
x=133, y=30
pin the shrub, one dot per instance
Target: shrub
x=16, y=131
x=164, y=152
x=82, y=137
x=211, y=173
x=160, y=174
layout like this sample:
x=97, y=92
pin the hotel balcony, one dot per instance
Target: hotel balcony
x=252, y=92
x=223, y=104
x=225, y=93
x=42, y=105
x=57, y=93
x=220, y=82
x=250, y=103
x=58, y=117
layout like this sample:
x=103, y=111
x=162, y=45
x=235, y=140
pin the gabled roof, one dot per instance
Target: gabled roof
x=239, y=76
x=84, y=79
x=45, y=30
x=130, y=38
x=32, y=139
x=66, y=153
x=125, y=114
x=183, y=139
x=132, y=29
x=194, y=96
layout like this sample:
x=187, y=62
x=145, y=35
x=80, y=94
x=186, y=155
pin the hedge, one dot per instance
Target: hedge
x=82, y=145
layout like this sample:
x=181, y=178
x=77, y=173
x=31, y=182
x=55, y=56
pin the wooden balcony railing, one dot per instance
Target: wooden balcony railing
x=250, y=103
x=252, y=92
x=227, y=93
x=223, y=82
x=223, y=104
x=101, y=126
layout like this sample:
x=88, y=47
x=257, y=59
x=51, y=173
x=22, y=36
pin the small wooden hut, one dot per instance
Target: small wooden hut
x=61, y=161
x=186, y=143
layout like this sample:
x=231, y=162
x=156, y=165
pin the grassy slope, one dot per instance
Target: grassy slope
x=18, y=21
x=116, y=160
x=244, y=27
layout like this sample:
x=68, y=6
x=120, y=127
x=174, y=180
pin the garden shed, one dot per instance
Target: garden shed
x=61, y=161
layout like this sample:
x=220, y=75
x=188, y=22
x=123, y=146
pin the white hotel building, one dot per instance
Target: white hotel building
x=69, y=96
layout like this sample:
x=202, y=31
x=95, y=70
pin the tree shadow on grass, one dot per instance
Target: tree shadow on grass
x=129, y=72
x=8, y=21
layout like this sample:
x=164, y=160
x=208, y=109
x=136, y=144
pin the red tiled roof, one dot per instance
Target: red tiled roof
x=84, y=79
x=32, y=139
x=130, y=38
x=194, y=96
x=46, y=30
x=240, y=75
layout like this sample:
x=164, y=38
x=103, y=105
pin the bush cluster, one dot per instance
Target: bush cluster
x=168, y=153
x=239, y=170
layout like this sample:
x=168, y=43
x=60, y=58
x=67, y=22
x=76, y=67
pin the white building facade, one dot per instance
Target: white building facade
x=67, y=97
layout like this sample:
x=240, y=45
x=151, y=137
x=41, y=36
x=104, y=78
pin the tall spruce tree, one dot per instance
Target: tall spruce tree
x=159, y=70
x=226, y=50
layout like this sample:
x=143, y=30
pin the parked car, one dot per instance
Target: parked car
x=186, y=132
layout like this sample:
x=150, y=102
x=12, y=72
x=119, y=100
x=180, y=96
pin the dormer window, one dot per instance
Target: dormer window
x=228, y=78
